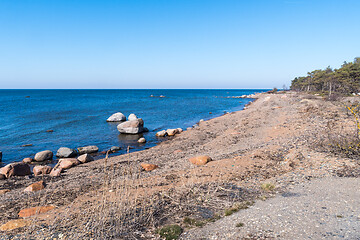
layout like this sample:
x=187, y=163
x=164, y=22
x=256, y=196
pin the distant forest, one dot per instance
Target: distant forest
x=345, y=80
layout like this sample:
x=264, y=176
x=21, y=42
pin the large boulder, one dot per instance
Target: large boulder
x=131, y=127
x=43, y=156
x=66, y=163
x=116, y=117
x=41, y=170
x=88, y=149
x=16, y=169
x=65, y=152
x=132, y=117
x=85, y=158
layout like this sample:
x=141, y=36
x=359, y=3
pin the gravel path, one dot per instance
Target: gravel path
x=326, y=208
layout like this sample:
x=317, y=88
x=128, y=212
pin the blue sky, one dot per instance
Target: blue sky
x=172, y=43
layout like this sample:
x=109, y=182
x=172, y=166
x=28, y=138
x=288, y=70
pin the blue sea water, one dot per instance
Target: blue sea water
x=78, y=117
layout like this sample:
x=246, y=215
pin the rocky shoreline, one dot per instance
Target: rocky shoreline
x=196, y=175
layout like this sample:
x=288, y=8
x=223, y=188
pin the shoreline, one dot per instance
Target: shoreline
x=268, y=142
x=123, y=143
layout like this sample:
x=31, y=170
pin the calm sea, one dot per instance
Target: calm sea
x=78, y=117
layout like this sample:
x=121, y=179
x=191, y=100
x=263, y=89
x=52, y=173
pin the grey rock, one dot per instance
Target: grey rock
x=85, y=158
x=115, y=149
x=43, y=156
x=131, y=127
x=88, y=149
x=116, y=117
x=132, y=117
x=65, y=152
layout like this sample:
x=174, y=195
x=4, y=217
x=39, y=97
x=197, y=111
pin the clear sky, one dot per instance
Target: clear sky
x=172, y=43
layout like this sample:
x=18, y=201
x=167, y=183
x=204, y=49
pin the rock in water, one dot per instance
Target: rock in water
x=131, y=127
x=116, y=117
x=172, y=132
x=200, y=160
x=142, y=140
x=27, y=160
x=85, y=158
x=15, y=169
x=0, y=156
x=43, y=156
x=40, y=170
x=88, y=149
x=115, y=149
x=65, y=152
x=132, y=117
x=161, y=133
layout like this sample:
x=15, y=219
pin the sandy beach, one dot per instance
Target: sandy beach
x=276, y=141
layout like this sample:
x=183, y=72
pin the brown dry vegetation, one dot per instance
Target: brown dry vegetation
x=281, y=138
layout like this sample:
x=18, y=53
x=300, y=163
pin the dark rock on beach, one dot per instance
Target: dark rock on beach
x=43, y=156
x=15, y=169
x=88, y=149
x=65, y=152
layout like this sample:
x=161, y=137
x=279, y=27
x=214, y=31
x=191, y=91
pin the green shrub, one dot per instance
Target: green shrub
x=170, y=232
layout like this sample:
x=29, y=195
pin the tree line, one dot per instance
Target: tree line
x=345, y=80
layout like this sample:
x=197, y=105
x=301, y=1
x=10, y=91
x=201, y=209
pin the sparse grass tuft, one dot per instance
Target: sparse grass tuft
x=194, y=222
x=268, y=187
x=170, y=232
x=237, y=207
x=239, y=224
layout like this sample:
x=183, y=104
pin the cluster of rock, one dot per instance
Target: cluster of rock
x=254, y=95
x=169, y=132
x=133, y=124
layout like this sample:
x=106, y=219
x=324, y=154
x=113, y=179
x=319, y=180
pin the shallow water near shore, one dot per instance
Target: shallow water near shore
x=78, y=117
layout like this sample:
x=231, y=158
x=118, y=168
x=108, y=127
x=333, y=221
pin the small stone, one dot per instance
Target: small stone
x=161, y=133
x=85, y=158
x=200, y=160
x=148, y=167
x=50, y=131
x=115, y=149
x=142, y=140
x=26, y=145
x=3, y=191
x=132, y=117
x=27, y=160
x=35, y=187
x=28, y=212
x=172, y=132
x=14, y=224
x=179, y=130
x=56, y=172
x=178, y=151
